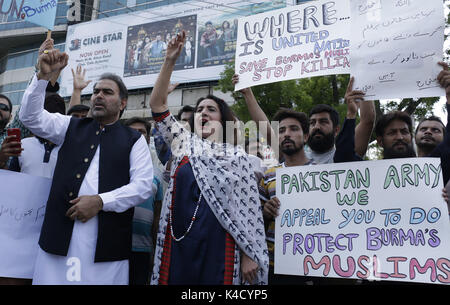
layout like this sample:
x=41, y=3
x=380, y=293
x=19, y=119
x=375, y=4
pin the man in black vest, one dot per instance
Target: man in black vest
x=104, y=169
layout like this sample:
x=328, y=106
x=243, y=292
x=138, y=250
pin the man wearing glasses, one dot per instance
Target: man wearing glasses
x=5, y=114
x=5, y=117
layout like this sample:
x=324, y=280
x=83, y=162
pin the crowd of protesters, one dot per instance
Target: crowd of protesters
x=208, y=218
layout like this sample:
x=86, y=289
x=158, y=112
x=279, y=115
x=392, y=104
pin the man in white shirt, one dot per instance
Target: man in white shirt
x=38, y=157
x=103, y=170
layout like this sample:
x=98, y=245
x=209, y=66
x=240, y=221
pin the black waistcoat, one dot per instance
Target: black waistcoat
x=114, y=229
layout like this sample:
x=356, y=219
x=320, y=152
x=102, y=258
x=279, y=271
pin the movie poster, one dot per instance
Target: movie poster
x=133, y=45
x=217, y=42
x=217, y=36
x=147, y=43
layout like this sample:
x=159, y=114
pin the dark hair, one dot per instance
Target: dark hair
x=147, y=124
x=52, y=88
x=226, y=114
x=334, y=115
x=54, y=103
x=8, y=100
x=123, y=91
x=78, y=108
x=208, y=22
x=386, y=119
x=432, y=118
x=186, y=108
x=301, y=117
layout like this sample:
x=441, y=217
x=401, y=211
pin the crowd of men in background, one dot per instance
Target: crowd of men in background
x=303, y=139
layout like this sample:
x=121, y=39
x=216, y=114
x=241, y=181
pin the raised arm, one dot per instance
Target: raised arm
x=158, y=98
x=364, y=129
x=258, y=115
x=345, y=141
x=16, y=123
x=444, y=80
x=50, y=126
x=79, y=83
x=443, y=149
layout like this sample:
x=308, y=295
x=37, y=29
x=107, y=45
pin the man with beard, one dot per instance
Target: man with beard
x=103, y=170
x=5, y=111
x=9, y=149
x=394, y=132
x=429, y=134
x=293, y=134
x=351, y=143
x=394, y=135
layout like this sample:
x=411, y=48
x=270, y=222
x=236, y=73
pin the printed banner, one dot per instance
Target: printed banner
x=39, y=12
x=396, y=46
x=21, y=217
x=305, y=40
x=374, y=220
x=133, y=45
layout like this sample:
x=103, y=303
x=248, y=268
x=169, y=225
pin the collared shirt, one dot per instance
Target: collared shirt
x=37, y=158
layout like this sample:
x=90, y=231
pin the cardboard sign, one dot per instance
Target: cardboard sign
x=133, y=45
x=374, y=220
x=22, y=209
x=396, y=46
x=305, y=40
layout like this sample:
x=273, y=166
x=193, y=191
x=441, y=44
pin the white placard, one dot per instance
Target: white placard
x=22, y=209
x=305, y=40
x=375, y=220
x=396, y=46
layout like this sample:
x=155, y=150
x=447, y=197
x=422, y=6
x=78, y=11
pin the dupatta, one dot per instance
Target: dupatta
x=228, y=183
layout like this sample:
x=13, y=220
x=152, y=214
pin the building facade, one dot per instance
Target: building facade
x=20, y=40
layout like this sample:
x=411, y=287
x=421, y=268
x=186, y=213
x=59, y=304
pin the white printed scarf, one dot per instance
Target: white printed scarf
x=227, y=181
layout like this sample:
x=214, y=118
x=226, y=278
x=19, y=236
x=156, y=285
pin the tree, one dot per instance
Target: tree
x=300, y=95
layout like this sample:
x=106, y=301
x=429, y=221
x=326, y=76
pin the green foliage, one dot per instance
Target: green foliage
x=303, y=94
x=418, y=108
x=300, y=95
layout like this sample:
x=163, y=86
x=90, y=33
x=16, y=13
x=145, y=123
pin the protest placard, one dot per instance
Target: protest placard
x=21, y=216
x=305, y=40
x=41, y=12
x=133, y=45
x=374, y=220
x=396, y=46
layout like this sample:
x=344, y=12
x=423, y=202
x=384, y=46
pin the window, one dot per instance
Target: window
x=14, y=91
x=23, y=59
x=12, y=22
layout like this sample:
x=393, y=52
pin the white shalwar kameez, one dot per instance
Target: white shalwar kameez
x=78, y=266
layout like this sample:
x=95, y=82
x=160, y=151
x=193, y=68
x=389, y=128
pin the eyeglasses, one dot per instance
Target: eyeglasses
x=4, y=107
